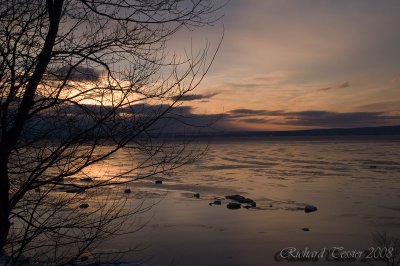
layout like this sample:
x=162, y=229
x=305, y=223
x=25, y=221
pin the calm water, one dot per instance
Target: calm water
x=354, y=183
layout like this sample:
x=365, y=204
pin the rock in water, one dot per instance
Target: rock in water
x=217, y=202
x=241, y=199
x=235, y=197
x=196, y=195
x=158, y=182
x=306, y=229
x=233, y=206
x=246, y=200
x=310, y=208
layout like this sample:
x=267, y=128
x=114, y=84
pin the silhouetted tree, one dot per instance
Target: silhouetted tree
x=386, y=252
x=79, y=81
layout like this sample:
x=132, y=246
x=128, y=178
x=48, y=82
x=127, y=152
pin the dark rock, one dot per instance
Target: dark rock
x=270, y=205
x=233, y=205
x=235, y=197
x=216, y=202
x=372, y=166
x=127, y=190
x=196, y=195
x=84, y=206
x=310, y=208
x=158, y=182
x=251, y=205
x=245, y=200
x=305, y=229
x=240, y=199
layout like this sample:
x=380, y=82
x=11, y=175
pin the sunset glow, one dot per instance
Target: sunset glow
x=290, y=57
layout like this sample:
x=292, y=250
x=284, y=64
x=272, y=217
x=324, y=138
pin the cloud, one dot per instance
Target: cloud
x=340, y=86
x=344, y=85
x=255, y=120
x=71, y=119
x=325, y=89
x=313, y=118
x=239, y=113
x=395, y=80
x=78, y=73
x=242, y=81
x=194, y=97
x=244, y=85
x=382, y=106
x=88, y=120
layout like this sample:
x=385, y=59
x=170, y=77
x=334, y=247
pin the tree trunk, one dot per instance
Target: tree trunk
x=10, y=139
x=4, y=203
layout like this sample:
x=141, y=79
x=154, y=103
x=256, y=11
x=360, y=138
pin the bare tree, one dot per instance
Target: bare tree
x=386, y=252
x=81, y=80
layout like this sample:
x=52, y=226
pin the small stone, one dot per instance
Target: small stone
x=305, y=229
x=127, y=190
x=310, y=208
x=158, y=182
x=372, y=166
x=196, y=195
x=217, y=202
x=233, y=205
x=211, y=204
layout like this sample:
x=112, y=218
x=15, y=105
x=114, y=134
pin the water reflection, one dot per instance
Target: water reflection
x=355, y=185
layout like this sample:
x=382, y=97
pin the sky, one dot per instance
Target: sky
x=302, y=64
